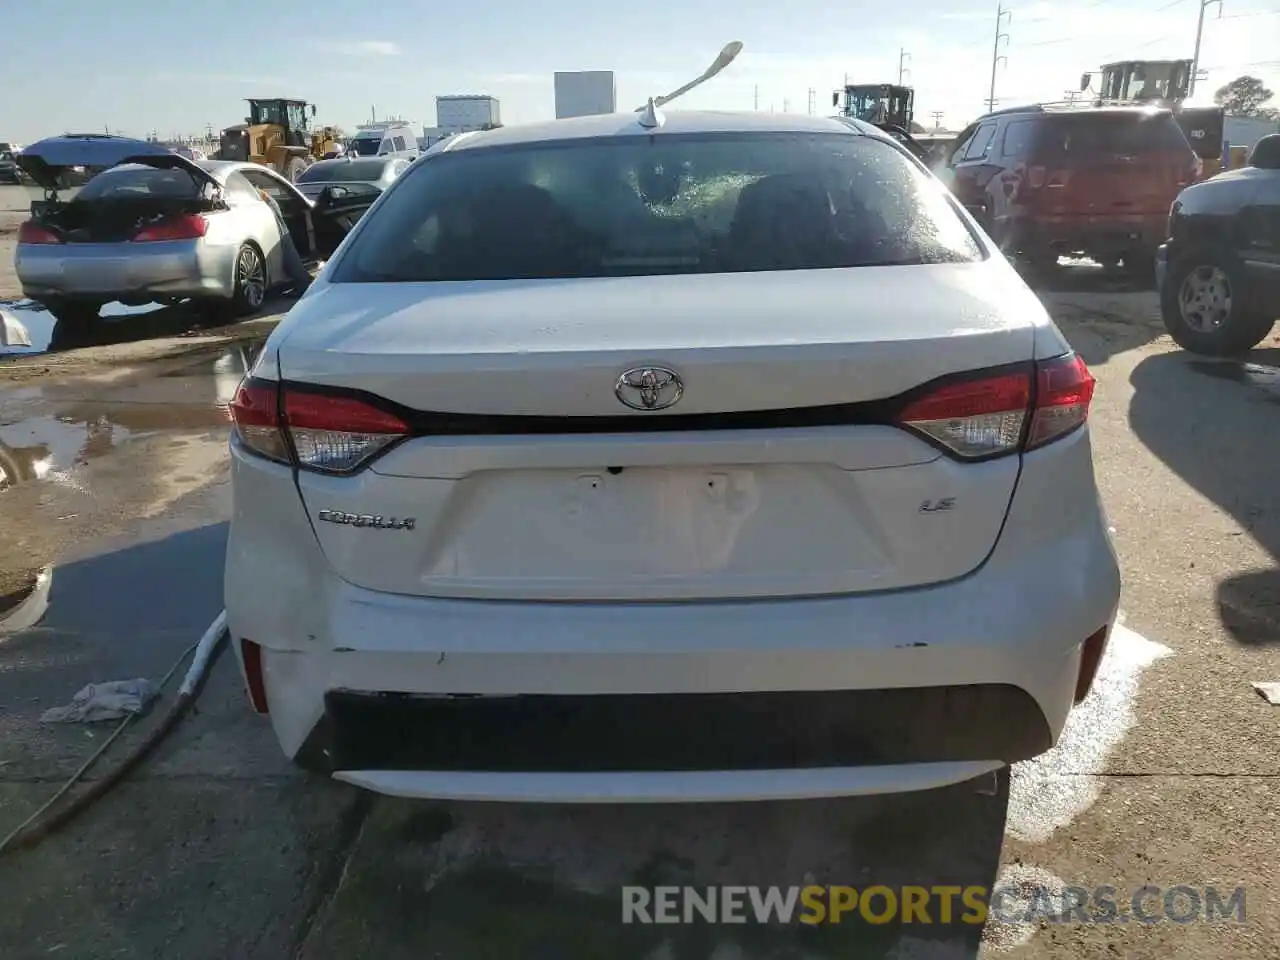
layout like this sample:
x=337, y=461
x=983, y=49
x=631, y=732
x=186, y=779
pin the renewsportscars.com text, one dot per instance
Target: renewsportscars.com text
x=927, y=905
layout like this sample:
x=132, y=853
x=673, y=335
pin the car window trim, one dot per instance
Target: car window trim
x=994, y=126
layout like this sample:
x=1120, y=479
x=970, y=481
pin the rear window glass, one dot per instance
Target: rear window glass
x=361, y=170
x=1106, y=135
x=132, y=181
x=651, y=206
x=366, y=146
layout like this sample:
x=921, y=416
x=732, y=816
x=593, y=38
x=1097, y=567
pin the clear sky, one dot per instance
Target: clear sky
x=140, y=65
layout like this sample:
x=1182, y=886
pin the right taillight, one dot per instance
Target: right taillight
x=994, y=413
x=1064, y=390
x=313, y=429
x=32, y=232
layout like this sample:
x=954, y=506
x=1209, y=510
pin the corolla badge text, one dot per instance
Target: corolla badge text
x=367, y=520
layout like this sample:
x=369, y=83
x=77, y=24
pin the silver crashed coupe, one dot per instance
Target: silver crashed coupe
x=152, y=226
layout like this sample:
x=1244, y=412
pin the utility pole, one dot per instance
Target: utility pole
x=1001, y=14
x=1195, y=57
x=757, y=96
x=786, y=105
x=813, y=100
x=903, y=57
x=937, y=119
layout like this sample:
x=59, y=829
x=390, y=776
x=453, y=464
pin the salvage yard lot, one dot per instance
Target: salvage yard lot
x=217, y=848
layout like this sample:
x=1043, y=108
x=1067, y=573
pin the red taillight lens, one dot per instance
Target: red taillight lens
x=32, y=232
x=188, y=226
x=251, y=655
x=1090, y=658
x=256, y=413
x=320, y=431
x=1064, y=390
x=987, y=414
x=973, y=418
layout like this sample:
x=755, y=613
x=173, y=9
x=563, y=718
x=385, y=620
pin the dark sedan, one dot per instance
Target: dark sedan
x=350, y=175
x=1219, y=272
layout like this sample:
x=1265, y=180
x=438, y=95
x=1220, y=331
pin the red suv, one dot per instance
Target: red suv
x=1047, y=182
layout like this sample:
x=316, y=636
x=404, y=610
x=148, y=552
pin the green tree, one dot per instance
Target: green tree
x=1245, y=97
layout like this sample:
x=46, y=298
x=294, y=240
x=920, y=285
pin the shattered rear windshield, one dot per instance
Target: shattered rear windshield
x=1103, y=134
x=642, y=206
x=137, y=181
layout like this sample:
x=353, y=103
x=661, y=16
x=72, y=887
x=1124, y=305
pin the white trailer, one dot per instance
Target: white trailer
x=583, y=93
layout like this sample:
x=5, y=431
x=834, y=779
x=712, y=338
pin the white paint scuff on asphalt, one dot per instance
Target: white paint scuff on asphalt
x=1052, y=790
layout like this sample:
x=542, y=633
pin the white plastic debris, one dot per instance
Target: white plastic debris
x=1269, y=691
x=13, y=332
x=105, y=701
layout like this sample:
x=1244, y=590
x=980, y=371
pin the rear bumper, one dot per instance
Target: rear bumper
x=674, y=701
x=1084, y=234
x=125, y=272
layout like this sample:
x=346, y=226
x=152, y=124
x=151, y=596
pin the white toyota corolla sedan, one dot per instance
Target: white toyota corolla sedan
x=711, y=456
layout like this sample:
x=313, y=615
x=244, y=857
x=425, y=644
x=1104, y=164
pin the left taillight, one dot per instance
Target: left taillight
x=975, y=417
x=32, y=232
x=188, y=226
x=993, y=413
x=256, y=414
x=316, y=430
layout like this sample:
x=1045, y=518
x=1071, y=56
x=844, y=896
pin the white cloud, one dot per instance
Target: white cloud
x=362, y=48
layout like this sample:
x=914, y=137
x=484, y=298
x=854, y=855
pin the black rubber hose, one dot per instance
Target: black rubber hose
x=59, y=818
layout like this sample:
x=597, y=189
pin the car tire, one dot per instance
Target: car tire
x=1206, y=307
x=293, y=168
x=251, y=281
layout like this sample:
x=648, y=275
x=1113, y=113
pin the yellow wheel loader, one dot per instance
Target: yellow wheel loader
x=276, y=134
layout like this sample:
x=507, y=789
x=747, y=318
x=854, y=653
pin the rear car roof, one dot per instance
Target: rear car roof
x=676, y=122
x=1040, y=110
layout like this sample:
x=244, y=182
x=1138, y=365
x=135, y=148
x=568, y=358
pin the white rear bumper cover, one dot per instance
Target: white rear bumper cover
x=1018, y=620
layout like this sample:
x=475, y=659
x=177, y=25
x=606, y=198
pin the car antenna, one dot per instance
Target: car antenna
x=649, y=115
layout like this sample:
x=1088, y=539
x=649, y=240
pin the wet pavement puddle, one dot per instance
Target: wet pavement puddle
x=80, y=427
x=27, y=328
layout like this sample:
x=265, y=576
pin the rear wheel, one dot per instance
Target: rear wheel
x=1206, y=309
x=251, y=281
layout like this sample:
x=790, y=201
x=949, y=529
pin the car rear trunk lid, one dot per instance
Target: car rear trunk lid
x=769, y=477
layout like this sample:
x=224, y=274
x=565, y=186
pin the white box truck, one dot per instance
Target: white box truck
x=582, y=93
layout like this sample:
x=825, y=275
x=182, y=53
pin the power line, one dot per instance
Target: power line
x=1001, y=14
x=1195, y=57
